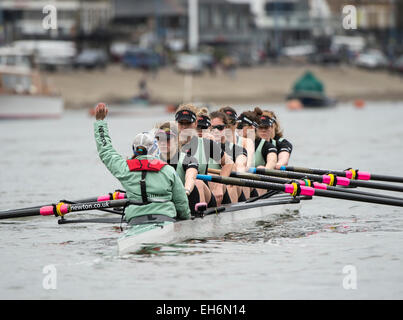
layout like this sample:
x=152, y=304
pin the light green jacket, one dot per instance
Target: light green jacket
x=161, y=185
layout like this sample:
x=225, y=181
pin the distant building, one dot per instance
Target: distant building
x=291, y=22
x=380, y=20
x=148, y=21
x=22, y=19
x=371, y=14
x=220, y=22
x=285, y=22
x=223, y=21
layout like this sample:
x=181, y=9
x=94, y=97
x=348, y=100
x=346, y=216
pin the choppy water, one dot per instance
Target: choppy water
x=285, y=258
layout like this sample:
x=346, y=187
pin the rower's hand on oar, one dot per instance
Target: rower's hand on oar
x=101, y=111
x=218, y=191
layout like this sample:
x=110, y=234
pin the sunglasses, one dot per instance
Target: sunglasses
x=202, y=127
x=185, y=123
x=163, y=137
x=165, y=134
x=219, y=127
x=241, y=125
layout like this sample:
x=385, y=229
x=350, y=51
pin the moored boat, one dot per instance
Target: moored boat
x=309, y=91
x=312, y=99
x=24, y=94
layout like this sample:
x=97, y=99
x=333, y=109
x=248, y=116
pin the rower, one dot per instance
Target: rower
x=203, y=149
x=186, y=166
x=244, y=142
x=203, y=123
x=145, y=178
x=232, y=136
x=265, y=155
x=219, y=125
x=270, y=130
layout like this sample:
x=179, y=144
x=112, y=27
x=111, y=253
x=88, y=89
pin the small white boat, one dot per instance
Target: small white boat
x=229, y=218
x=24, y=93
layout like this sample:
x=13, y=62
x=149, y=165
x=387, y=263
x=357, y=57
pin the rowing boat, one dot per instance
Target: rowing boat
x=214, y=222
x=154, y=230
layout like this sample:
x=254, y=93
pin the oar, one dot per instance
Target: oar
x=295, y=189
x=350, y=173
x=305, y=182
x=97, y=220
x=33, y=211
x=62, y=208
x=329, y=179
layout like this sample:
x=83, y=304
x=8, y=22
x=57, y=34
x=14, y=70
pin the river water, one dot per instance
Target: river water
x=334, y=249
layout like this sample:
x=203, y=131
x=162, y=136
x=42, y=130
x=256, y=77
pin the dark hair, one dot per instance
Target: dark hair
x=252, y=115
x=230, y=113
x=258, y=112
x=277, y=128
x=220, y=115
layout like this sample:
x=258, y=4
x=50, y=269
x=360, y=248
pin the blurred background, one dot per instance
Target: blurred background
x=71, y=54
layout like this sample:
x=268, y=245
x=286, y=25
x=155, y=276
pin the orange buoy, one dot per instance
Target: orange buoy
x=294, y=104
x=359, y=103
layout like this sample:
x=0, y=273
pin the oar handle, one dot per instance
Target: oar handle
x=215, y=171
x=287, y=188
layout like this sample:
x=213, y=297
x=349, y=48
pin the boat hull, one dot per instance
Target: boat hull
x=30, y=106
x=236, y=218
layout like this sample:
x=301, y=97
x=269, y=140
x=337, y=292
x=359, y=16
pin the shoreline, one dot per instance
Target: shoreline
x=266, y=83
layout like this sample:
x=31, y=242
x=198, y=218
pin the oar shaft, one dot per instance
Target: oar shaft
x=34, y=211
x=342, y=181
x=381, y=177
x=359, y=175
x=376, y=185
x=357, y=197
x=245, y=182
x=19, y=214
x=315, y=185
x=308, y=191
x=313, y=170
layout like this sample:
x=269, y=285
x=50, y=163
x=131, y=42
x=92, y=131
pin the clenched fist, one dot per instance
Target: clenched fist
x=101, y=111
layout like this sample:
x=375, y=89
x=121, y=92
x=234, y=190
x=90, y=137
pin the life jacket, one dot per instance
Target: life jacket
x=145, y=166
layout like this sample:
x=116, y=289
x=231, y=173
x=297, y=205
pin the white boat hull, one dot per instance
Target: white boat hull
x=30, y=106
x=213, y=225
